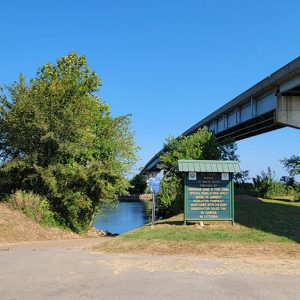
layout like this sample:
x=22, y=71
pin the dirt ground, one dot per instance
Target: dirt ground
x=269, y=250
x=17, y=227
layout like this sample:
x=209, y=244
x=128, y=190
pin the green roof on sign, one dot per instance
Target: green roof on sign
x=209, y=166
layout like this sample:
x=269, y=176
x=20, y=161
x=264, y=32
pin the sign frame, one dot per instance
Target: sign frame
x=231, y=200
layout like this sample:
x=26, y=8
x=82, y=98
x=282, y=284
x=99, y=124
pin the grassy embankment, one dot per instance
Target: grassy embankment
x=266, y=227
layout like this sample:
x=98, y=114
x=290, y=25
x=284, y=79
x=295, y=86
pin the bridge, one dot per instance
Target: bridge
x=270, y=104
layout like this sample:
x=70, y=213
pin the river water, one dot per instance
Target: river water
x=123, y=217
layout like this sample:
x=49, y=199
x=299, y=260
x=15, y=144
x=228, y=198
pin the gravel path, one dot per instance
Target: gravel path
x=68, y=270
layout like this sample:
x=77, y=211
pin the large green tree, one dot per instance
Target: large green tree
x=58, y=139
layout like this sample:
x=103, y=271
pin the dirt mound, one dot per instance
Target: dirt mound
x=15, y=226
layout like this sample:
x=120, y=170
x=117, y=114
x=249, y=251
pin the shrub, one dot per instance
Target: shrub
x=263, y=182
x=34, y=206
x=276, y=189
x=267, y=187
x=281, y=190
x=170, y=198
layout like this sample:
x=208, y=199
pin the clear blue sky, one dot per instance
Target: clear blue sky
x=169, y=63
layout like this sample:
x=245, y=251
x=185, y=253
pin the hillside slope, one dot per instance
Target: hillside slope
x=15, y=226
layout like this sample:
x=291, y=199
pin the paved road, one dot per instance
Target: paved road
x=61, y=270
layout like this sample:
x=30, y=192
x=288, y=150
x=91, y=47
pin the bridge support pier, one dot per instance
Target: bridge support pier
x=288, y=110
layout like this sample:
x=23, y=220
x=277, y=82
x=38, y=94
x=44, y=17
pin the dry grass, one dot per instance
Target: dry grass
x=15, y=226
x=229, y=249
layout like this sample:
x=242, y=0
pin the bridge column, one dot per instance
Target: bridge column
x=288, y=110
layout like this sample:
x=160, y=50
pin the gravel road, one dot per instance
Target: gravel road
x=68, y=270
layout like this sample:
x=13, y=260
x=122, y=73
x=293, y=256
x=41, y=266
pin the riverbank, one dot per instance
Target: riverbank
x=263, y=228
x=135, y=197
x=17, y=227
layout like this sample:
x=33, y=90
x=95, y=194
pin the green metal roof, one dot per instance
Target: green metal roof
x=209, y=166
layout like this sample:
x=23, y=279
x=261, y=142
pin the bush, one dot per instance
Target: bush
x=34, y=206
x=267, y=187
x=170, y=198
x=281, y=190
x=276, y=189
x=263, y=182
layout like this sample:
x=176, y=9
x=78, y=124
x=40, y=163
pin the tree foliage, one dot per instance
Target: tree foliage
x=266, y=186
x=292, y=165
x=201, y=145
x=138, y=184
x=241, y=177
x=59, y=140
x=263, y=181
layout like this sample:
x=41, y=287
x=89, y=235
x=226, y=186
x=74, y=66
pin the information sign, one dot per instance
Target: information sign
x=154, y=184
x=208, y=197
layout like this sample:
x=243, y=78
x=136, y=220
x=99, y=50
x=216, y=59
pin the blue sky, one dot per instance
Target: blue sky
x=169, y=63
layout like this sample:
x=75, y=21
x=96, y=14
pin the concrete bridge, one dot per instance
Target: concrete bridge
x=270, y=104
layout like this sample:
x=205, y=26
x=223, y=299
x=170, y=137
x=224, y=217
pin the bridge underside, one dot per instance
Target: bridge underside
x=271, y=104
x=285, y=113
x=255, y=126
x=255, y=116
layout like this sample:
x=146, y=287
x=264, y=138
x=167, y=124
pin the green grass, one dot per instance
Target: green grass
x=256, y=221
x=267, y=228
x=189, y=233
x=280, y=218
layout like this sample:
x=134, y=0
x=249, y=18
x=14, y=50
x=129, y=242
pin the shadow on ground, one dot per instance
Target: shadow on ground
x=282, y=219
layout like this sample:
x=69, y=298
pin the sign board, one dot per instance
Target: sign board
x=154, y=184
x=209, y=196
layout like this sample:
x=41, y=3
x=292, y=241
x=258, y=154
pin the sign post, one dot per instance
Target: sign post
x=153, y=209
x=154, y=186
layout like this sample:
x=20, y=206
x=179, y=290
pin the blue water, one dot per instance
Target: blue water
x=122, y=218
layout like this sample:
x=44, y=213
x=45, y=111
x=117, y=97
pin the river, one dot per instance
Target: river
x=123, y=217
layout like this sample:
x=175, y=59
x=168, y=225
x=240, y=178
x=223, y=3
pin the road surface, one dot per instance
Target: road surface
x=67, y=270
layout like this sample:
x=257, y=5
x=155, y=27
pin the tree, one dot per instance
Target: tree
x=200, y=145
x=138, y=184
x=292, y=165
x=59, y=140
x=241, y=177
x=263, y=182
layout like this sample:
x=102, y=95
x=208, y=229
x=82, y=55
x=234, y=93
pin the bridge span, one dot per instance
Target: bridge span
x=270, y=104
